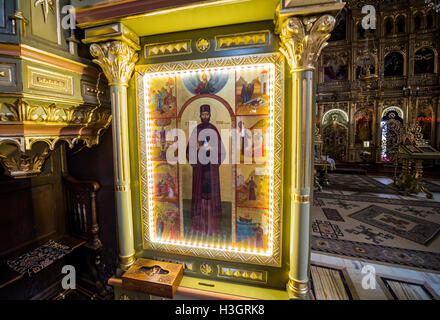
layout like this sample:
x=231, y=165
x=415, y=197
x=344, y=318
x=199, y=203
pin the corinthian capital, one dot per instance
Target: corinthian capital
x=116, y=59
x=303, y=38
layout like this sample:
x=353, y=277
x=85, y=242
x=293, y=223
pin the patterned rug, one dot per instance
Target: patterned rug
x=357, y=183
x=36, y=260
x=367, y=184
x=394, y=231
x=403, y=225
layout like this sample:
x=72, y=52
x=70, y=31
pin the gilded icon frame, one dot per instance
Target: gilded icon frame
x=277, y=61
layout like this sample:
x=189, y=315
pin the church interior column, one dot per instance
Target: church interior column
x=352, y=131
x=436, y=108
x=117, y=59
x=304, y=32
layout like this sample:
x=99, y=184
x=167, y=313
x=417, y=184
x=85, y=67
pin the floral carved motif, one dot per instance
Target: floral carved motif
x=116, y=59
x=303, y=38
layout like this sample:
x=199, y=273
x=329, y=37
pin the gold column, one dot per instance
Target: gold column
x=117, y=60
x=303, y=33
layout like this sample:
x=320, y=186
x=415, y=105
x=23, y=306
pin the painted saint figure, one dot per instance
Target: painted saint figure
x=159, y=101
x=206, y=209
x=205, y=86
x=258, y=236
x=252, y=186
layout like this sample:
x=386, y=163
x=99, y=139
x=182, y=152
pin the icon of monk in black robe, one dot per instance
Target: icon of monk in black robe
x=206, y=209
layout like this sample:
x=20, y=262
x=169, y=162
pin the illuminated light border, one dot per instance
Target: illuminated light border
x=148, y=78
x=272, y=255
x=398, y=109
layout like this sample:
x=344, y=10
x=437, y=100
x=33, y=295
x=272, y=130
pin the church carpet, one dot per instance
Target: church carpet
x=400, y=232
x=365, y=183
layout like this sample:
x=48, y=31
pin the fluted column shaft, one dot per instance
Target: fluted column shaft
x=117, y=61
x=302, y=40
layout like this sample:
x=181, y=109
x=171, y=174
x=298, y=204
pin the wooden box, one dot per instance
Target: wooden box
x=153, y=277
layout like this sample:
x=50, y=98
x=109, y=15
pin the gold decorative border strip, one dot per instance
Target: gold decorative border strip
x=40, y=79
x=242, y=275
x=301, y=198
x=242, y=40
x=277, y=60
x=167, y=49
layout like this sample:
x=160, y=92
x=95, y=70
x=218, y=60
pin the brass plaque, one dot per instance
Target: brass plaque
x=44, y=80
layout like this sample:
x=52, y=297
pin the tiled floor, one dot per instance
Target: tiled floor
x=354, y=267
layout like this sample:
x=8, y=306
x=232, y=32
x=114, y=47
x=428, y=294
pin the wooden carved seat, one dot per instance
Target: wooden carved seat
x=78, y=243
x=81, y=207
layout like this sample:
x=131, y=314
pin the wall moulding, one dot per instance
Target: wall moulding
x=28, y=53
x=30, y=131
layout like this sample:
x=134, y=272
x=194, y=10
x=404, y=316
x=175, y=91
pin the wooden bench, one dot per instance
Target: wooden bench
x=81, y=236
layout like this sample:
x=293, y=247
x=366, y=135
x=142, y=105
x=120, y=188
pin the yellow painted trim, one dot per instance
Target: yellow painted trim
x=54, y=56
x=154, y=13
x=42, y=97
x=229, y=288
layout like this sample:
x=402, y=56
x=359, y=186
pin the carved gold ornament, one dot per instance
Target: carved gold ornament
x=303, y=38
x=22, y=165
x=206, y=269
x=116, y=59
x=46, y=5
x=414, y=132
x=203, y=45
x=31, y=122
x=167, y=49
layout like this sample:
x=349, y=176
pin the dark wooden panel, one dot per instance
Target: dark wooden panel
x=45, y=220
x=32, y=209
x=7, y=8
x=16, y=220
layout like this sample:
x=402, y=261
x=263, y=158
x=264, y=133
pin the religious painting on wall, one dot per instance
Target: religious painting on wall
x=424, y=61
x=208, y=159
x=365, y=64
x=340, y=30
x=166, y=197
x=364, y=125
x=335, y=134
x=335, y=68
x=394, y=64
x=162, y=98
x=252, y=92
x=159, y=142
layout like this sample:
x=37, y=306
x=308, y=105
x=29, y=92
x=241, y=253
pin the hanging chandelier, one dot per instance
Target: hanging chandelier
x=435, y=4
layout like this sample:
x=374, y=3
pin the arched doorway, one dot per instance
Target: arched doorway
x=335, y=134
x=391, y=129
